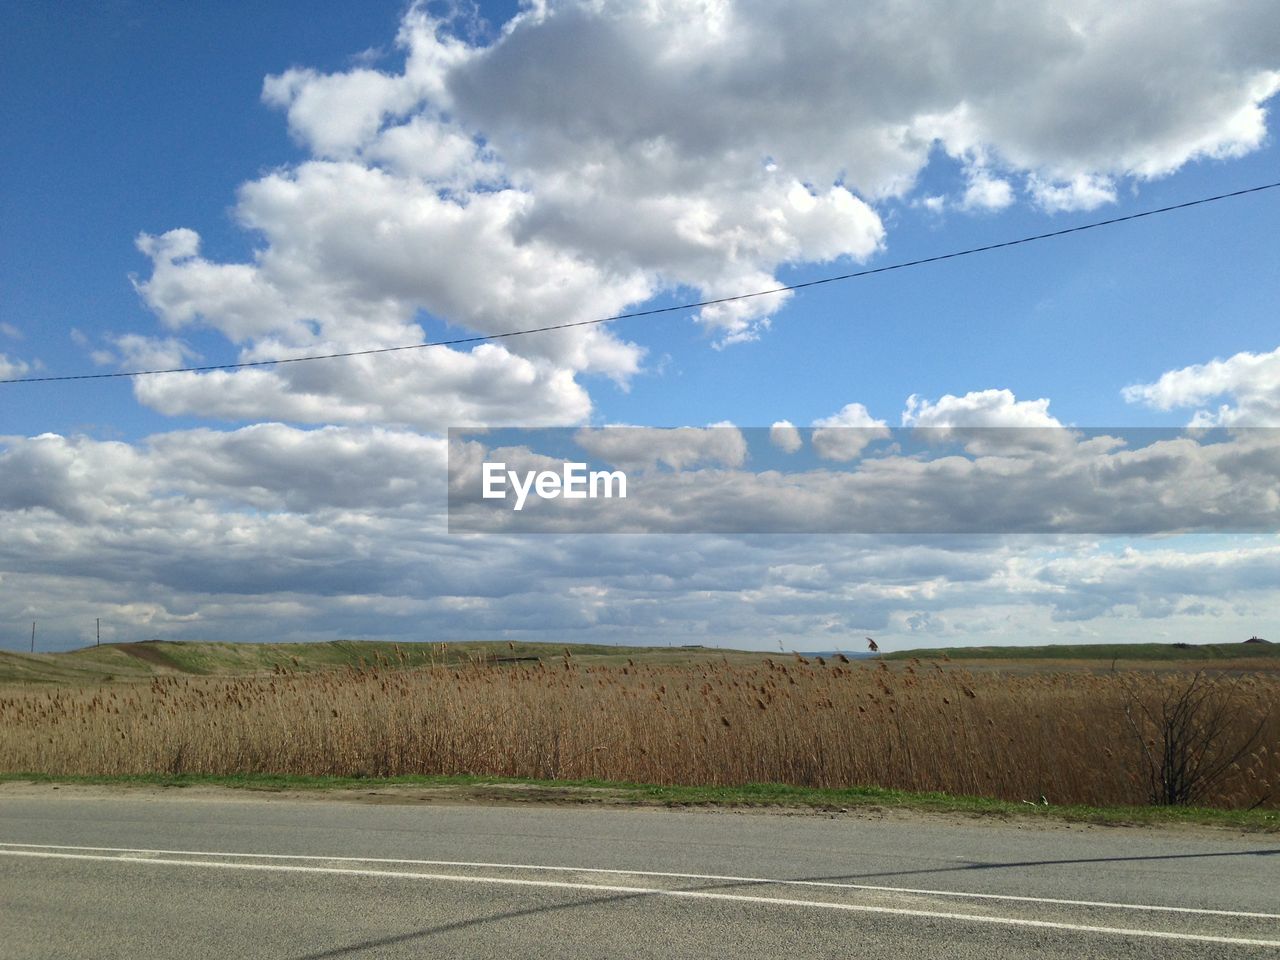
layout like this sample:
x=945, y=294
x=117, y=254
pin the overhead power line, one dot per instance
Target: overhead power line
x=481, y=338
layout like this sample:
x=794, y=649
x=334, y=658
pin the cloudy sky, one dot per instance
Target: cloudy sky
x=244, y=182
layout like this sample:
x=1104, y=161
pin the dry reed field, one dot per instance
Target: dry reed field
x=1068, y=737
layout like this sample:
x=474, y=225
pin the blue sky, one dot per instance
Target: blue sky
x=604, y=184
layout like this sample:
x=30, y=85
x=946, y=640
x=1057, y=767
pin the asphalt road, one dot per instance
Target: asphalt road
x=89, y=873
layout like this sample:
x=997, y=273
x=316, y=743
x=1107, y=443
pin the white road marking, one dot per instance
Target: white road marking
x=831, y=884
x=651, y=891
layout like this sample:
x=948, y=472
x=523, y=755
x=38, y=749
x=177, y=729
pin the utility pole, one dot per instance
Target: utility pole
x=33, y=636
x=98, y=623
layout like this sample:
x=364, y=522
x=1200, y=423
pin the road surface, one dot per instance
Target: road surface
x=93, y=872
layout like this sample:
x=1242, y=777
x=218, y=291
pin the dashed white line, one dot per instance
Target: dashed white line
x=151, y=860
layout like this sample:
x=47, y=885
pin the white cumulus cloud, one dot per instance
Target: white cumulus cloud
x=785, y=436
x=594, y=154
x=1251, y=380
x=844, y=435
x=679, y=448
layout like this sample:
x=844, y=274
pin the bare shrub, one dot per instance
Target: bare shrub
x=1190, y=735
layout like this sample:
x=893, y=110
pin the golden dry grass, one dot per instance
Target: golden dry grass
x=920, y=727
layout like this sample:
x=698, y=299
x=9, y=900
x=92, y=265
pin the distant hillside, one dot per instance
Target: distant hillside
x=139, y=661
x=1101, y=651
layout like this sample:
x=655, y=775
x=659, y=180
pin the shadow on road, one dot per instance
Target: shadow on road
x=372, y=944
x=1005, y=865
x=387, y=941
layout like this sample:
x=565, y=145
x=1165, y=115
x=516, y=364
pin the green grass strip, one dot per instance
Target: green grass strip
x=762, y=795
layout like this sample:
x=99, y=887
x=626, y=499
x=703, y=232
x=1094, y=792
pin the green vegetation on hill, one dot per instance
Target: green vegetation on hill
x=139, y=661
x=831, y=801
x=1101, y=651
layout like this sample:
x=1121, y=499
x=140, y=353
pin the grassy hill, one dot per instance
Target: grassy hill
x=140, y=661
x=1206, y=652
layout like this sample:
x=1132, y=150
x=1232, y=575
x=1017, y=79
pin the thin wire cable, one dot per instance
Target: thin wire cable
x=481, y=338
